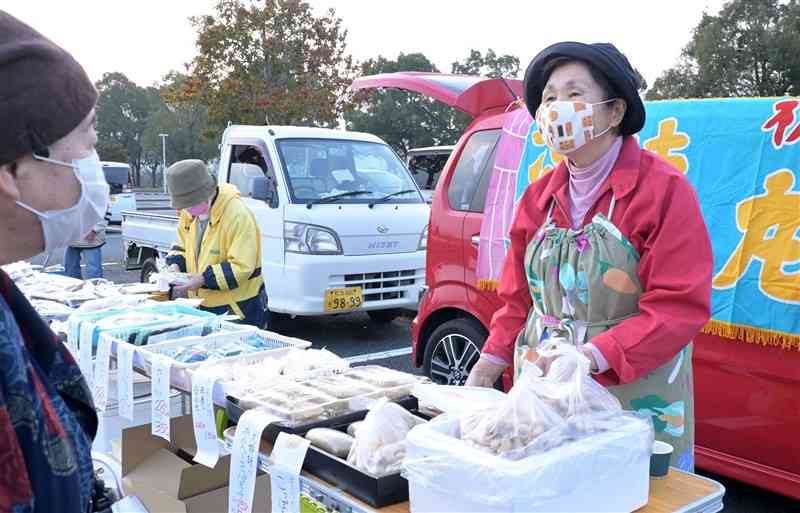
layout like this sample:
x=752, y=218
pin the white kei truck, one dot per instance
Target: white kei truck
x=343, y=224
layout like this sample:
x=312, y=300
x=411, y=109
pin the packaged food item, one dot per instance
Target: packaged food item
x=331, y=441
x=342, y=387
x=537, y=404
x=353, y=428
x=381, y=377
x=299, y=362
x=379, y=446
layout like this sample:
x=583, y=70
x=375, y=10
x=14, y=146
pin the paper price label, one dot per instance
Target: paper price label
x=85, y=351
x=205, y=429
x=244, y=459
x=102, y=364
x=160, y=405
x=287, y=456
x=72, y=336
x=125, y=353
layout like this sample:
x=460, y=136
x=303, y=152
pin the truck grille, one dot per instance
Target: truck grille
x=384, y=286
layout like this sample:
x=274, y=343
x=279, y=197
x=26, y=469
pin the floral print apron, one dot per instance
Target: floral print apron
x=582, y=283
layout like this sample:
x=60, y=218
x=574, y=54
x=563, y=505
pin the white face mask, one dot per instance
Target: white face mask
x=64, y=227
x=567, y=125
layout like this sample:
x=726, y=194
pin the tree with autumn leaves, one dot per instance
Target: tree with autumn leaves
x=270, y=62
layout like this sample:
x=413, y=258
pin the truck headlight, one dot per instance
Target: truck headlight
x=423, y=240
x=310, y=239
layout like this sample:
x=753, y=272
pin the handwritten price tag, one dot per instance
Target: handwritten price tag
x=244, y=459
x=85, y=350
x=101, y=367
x=72, y=336
x=160, y=407
x=125, y=379
x=287, y=456
x=205, y=429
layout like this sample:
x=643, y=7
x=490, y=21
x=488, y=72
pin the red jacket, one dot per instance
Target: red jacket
x=658, y=211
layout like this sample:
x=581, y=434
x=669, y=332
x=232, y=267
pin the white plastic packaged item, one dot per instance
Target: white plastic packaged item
x=111, y=303
x=601, y=465
x=301, y=363
x=342, y=387
x=537, y=403
x=249, y=373
x=210, y=352
x=382, y=377
x=455, y=400
x=568, y=386
x=331, y=441
x=295, y=402
x=380, y=446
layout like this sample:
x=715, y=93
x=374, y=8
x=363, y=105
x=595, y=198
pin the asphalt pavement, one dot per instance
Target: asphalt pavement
x=355, y=336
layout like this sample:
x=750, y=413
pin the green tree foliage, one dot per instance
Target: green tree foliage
x=271, y=60
x=751, y=48
x=402, y=119
x=488, y=65
x=122, y=116
x=409, y=120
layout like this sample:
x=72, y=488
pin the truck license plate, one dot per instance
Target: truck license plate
x=338, y=300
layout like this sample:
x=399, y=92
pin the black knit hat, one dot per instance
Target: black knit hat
x=606, y=59
x=44, y=92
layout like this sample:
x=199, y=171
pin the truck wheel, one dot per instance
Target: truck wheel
x=383, y=316
x=452, y=350
x=148, y=267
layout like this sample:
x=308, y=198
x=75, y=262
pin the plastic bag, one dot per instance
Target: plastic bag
x=568, y=386
x=331, y=441
x=537, y=403
x=509, y=427
x=615, y=457
x=379, y=446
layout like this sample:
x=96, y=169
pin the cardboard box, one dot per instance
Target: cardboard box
x=167, y=480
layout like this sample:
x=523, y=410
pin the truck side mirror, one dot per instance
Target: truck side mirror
x=264, y=190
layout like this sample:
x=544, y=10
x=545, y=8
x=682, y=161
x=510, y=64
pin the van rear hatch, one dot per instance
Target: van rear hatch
x=469, y=94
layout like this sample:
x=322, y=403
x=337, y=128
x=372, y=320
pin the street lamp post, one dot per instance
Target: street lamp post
x=164, y=159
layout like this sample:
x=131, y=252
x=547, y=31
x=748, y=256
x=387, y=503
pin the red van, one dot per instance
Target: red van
x=747, y=397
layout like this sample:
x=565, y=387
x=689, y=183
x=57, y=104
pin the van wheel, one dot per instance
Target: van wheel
x=452, y=350
x=148, y=267
x=383, y=316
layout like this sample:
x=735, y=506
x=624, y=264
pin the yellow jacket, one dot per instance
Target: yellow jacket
x=230, y=253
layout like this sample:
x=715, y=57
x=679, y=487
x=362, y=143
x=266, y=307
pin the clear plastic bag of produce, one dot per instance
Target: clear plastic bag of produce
x=537, y=403
x=379, y=446
x=567, y=386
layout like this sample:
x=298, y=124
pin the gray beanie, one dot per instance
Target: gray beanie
x=189, y=183
x=44, y=92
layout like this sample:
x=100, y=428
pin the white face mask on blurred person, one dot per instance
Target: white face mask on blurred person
x=64, y=227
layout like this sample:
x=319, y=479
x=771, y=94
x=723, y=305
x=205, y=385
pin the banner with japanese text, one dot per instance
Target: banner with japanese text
x=743, y=158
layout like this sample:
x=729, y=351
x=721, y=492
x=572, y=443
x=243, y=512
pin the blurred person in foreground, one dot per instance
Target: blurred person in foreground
x=52, y=192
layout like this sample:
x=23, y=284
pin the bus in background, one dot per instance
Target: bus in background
x=118, y=176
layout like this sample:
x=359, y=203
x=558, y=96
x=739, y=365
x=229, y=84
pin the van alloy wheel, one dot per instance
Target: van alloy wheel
x=452, y=358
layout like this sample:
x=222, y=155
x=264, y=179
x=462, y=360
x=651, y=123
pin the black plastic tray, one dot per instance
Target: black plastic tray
x=234, y=411
x=375, y=491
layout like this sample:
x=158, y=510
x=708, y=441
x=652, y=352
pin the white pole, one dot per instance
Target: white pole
x=164, y=159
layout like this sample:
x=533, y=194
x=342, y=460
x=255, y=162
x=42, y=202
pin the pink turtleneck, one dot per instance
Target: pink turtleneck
x=585, y=182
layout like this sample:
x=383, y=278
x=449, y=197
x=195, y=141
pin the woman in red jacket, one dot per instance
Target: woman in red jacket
x=609, y=251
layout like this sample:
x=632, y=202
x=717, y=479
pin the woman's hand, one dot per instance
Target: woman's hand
x=485, y=373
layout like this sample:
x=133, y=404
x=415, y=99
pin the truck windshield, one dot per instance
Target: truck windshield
x=320, y=168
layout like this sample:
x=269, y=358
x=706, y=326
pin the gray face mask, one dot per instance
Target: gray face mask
x=64, y=227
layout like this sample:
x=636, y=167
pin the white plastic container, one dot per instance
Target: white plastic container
x=603, y=473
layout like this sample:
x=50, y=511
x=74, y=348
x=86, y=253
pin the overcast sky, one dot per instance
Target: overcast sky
x=145, y=39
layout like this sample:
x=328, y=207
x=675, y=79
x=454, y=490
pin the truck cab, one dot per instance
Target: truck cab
x=343, y=224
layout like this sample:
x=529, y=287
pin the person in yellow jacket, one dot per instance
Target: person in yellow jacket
x=219, y=244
